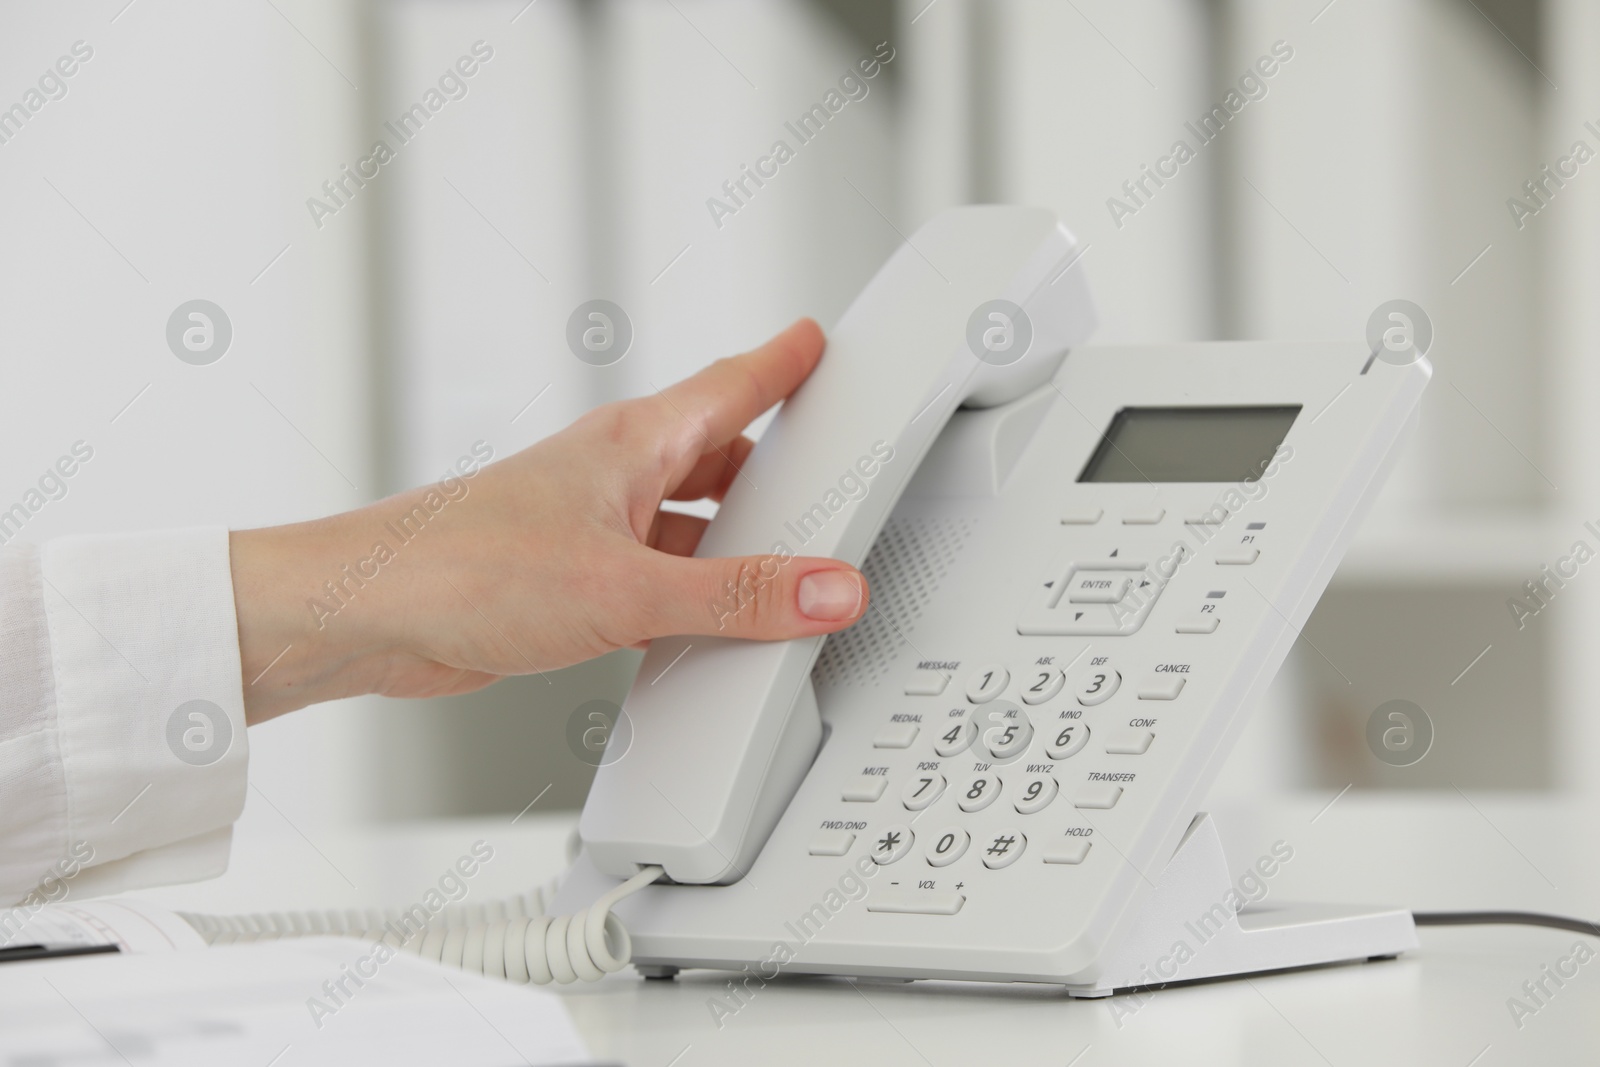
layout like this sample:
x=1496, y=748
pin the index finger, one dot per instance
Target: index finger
x=720, y=401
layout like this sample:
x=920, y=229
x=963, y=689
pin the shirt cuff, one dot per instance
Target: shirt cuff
x=149, y=700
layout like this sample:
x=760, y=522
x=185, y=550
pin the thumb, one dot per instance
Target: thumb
x=762, y=598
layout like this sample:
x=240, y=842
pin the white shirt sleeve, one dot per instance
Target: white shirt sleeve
x=122, y=735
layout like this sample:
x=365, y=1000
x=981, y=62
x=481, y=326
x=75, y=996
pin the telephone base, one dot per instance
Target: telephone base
x=1186, y=930
x=1188, y=933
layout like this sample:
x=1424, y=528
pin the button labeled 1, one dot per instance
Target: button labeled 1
x=987, y=682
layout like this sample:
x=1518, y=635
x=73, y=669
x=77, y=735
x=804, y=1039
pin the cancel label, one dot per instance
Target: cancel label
x=1172, y=668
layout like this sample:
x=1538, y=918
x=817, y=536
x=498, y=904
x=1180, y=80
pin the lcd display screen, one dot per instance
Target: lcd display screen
x=1232, y=444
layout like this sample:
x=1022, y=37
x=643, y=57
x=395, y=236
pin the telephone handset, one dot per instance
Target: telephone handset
x=722, y=731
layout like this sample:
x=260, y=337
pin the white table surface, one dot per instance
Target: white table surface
x=1444, y=1004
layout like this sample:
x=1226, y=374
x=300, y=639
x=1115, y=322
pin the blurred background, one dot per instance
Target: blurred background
x=378, y=336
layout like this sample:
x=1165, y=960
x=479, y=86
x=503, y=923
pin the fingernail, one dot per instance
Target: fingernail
x=829, y=596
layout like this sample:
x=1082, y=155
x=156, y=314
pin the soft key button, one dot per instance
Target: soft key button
x=926, y=683
x=1242, y=556
x=1097, y=587
x=865, y=789
x=1161, y=687
x=987, y=682
x=914, y=901
x=832, y=842
x=1041, y=686
x=949, y=846
x=1067, y=850
x=896, y=735
x=921, y=791
x=1198, y=624
x=1097, y=795
x=1145, y=515
x=891, y=843
x=1085, y=515
x=1130, y=743
x=1004, y=848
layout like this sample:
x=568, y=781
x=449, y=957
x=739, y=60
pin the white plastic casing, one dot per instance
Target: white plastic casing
x=960, y=569
x=723, y=730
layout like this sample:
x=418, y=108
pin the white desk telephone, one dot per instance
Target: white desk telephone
x=1083, y=572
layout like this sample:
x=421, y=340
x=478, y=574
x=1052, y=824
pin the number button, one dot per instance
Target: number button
x=1068, y=742
x=892, y=843
x=1004, y=848
x=922, y=791
x=949, y=846
x=1098, y=686
x=1011, y=733
x=1037, y=792
x=1041, y=686
x=956, y=738
x=987, y=683
x=980, y=792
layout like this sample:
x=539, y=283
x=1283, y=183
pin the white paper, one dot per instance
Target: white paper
x=130, y=925
x=257, y=1004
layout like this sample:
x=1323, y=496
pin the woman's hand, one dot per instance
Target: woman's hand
x=550, y=557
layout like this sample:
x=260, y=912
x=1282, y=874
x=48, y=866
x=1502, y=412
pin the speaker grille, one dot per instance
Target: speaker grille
x=904, y=569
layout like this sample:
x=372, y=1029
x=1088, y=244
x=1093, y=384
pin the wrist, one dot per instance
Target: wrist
x=296, y=644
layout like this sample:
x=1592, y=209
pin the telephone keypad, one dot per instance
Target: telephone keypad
x=1004, y=848
x=892, y=843
x=979, y=792
x=949, y=846
x=1037, y=791
x=922, y=790
x=987, y=682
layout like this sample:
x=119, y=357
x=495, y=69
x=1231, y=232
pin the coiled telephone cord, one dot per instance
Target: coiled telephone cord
x=512, y=939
